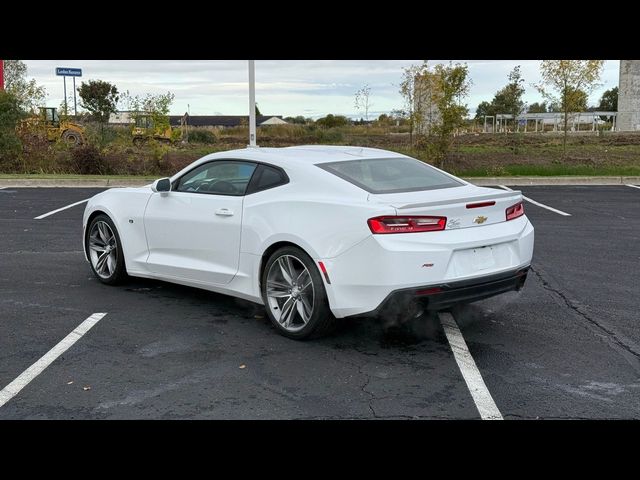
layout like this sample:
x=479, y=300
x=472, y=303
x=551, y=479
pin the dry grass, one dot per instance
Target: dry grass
x=112, y=153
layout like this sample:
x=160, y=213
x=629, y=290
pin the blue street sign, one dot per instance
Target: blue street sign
x=68, y=72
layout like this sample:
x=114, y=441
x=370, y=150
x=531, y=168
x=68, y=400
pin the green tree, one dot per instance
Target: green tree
x=484, y=109
x=332, y=121
x=577, y=99
x=511, y=94
x=100, y=98
x=536, y=107
x=507, y=100
x=27, y=93
x=10, y=113
x=258, y=114
x=384, y=119
x=567, y=82
x=298, y=120
x=155, y=105
x=453, y=85
x=609, y=100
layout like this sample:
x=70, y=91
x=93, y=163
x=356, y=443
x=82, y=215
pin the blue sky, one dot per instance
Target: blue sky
x=311, y=88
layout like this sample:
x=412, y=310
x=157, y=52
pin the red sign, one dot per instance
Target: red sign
x=1, y=74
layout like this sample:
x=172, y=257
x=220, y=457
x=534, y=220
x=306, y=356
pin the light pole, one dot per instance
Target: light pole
x=252, y=104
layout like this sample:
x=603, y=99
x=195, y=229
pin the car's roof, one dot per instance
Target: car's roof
x=299, y=161
x=305, y=154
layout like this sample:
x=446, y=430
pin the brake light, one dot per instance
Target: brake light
x=413, y=224
x=515, y=211
x=481, y=204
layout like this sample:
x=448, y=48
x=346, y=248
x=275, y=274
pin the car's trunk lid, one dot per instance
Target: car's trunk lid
x=465, y=206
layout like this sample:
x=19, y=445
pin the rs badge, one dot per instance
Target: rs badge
x=454, y=223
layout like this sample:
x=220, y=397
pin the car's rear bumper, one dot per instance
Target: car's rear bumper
x=445, y=295
x=364, y=276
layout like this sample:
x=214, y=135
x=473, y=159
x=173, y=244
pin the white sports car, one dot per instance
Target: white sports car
x=315, y=233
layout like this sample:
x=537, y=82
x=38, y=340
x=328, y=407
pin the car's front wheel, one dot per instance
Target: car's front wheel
x=104, y=250
x=294, y=295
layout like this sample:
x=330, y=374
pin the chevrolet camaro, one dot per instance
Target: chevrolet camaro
x=315, y=234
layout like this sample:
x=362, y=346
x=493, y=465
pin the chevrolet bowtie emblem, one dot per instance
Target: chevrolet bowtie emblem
x=479, y=219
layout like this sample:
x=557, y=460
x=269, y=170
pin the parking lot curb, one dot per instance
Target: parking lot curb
x=568, y=180
x=72, y=183
x=482, y=181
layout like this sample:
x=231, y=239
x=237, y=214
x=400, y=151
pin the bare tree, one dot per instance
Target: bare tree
x=362, y=101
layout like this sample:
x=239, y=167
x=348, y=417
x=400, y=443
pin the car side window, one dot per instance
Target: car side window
x=218, y=178
x=266, y=177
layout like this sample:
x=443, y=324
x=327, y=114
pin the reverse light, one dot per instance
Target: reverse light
x=412, y=224
x=515, y=211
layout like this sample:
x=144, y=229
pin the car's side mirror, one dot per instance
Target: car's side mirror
x=161, y=185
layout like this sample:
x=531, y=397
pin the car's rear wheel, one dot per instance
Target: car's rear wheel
x=104, y=250
x=294, y=295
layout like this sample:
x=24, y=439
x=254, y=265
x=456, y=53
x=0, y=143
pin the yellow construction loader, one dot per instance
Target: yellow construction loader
x=145, y=129
x=48, y=124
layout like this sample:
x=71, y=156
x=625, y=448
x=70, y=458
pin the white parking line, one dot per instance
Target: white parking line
x=560, y=212
x=633, y=186
x=479, y=391
x=60, y=209
x=11, y=390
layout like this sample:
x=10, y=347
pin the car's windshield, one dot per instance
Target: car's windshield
x=390, y=175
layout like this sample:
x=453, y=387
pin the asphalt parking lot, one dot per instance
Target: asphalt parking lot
x=566, y=346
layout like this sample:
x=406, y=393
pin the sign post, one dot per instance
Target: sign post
x=65, y=72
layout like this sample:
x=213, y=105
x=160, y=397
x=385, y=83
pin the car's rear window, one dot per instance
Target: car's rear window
x=390, y=175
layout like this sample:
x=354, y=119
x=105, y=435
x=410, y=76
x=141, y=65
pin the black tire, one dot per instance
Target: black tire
x=322, y=321
x=72, y=138
x=119, y=274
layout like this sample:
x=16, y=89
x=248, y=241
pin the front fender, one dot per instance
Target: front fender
x=125, y=207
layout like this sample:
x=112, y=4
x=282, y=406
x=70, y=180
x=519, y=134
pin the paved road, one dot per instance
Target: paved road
x=567, y=346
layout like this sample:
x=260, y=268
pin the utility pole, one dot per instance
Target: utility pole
x=252, y=104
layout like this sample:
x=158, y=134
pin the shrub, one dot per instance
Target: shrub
x=87, y=160
x=200, y=135
x=331, y=135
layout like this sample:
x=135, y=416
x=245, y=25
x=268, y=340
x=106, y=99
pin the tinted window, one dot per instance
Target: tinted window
x=218, y=178
x=390, y=175
x=266, y=177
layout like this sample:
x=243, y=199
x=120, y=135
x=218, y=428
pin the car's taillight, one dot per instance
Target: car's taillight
x=389, y=224
x=515, y=211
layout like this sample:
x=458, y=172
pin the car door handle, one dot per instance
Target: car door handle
x=224, y=212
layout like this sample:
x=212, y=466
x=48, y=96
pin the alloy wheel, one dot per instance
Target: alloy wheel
x=103, y=249
x=290, y=293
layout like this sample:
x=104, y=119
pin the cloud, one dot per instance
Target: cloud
x=283, y=87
